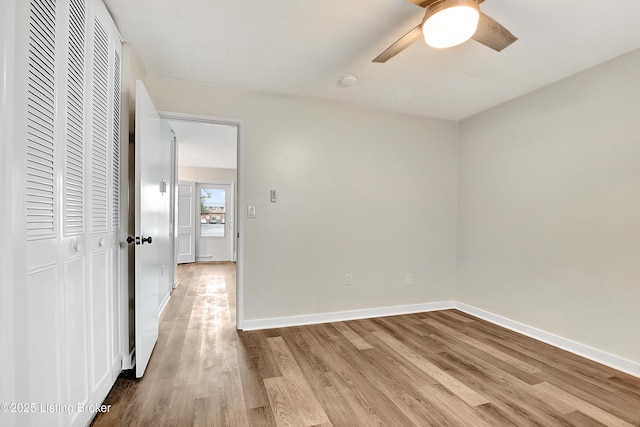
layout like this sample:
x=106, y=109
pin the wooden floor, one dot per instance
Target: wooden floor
x=440, y=368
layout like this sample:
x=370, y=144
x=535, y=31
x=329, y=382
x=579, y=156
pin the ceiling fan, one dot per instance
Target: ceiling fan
x=448, y=23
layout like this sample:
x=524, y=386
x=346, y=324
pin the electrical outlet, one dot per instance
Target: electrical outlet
x=408, y=279
x=348, y=279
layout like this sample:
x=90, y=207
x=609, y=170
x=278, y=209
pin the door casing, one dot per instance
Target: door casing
x=240, y=204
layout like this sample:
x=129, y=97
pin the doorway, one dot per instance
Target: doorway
x=215, y=224
x=210, y=160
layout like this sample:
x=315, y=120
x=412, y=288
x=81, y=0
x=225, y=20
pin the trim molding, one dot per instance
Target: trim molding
x=164, y=303
x=339, y=316
x=602, y=357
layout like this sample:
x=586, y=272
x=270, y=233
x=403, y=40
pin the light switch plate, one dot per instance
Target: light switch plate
x=273, y=196
x=251, y=211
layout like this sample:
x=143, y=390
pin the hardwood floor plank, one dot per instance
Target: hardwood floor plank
x=255, y=394
x=442, y=368
x=503, y=417
x=405, y=391
x=511, y=394
x=483, y=347
x=582, y=420
x=314, y=366
x=291, y=404
x=589, y=389
x=261, y=417
x=233, y=409
x=355, y=374
x=362, y=410
x=355, y=339
x=472, y=360
x=553, y=393
x=457, y=315
x=255, y=344
x=206, y=412
x=292, y=399
x=182, y=404
x=452, y=384
x=453, y=407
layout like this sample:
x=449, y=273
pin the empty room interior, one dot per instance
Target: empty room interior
x=416, y=233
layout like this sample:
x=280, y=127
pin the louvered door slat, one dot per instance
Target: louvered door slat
x=40, y=87
x=74, y=198
x=40, y=167
x=115, y=184
x=39, y=40
x=39, y=100
x=99, y=141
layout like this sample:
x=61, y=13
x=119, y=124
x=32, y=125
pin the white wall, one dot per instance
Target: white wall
x=195, y=174
x=359, y=191
x=549, y=209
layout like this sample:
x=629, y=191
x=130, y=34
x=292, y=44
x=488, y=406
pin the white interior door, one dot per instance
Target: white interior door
x=150, y=206
x=186, y=222
x=214, y=224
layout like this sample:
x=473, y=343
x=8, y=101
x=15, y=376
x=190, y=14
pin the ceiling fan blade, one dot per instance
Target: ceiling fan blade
x=425, y=3
x=492, y=34
x=403, y=43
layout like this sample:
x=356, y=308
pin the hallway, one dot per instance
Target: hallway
x=194, y=363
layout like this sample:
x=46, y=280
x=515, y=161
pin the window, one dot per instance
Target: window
x=212, y=212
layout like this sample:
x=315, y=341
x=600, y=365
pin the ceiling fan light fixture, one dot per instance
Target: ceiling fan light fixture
x=449, y=23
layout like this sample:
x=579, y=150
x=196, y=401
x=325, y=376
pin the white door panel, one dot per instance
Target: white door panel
x=75, y=311
x=43, y=333
x=186, y=222
x=152, y=257
x=146, y=226
x=99, y=316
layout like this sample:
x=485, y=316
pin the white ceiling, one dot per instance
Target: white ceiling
x=303, y=48
x=205, y=145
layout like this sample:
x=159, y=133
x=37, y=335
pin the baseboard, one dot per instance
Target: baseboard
x=607, y=359
x=339, y=316
x=164, y=303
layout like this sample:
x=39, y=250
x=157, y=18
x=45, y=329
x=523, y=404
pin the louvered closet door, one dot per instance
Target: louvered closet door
x=102, y=266
x=68, y=142
x=43, y=286
x=115, y=209
x=74, y=227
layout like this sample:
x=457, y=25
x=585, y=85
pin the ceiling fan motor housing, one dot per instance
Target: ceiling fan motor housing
x=440, y=5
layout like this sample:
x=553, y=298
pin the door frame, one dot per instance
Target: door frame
x=239, y=202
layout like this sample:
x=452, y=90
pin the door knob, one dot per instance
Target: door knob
x=148, y=240
x=130, y=239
